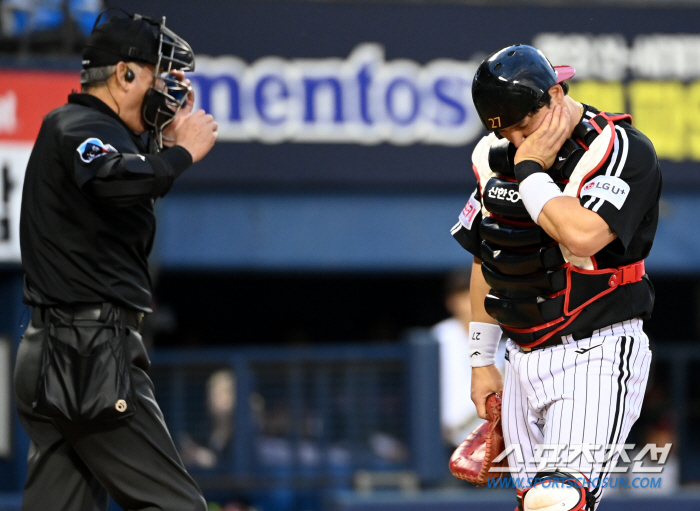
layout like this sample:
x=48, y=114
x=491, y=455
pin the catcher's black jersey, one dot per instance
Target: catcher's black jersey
x=625, y=192
x=87, y=222
x=623, y=186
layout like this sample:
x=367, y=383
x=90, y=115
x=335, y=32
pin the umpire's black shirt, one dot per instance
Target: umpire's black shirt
x=87, y=222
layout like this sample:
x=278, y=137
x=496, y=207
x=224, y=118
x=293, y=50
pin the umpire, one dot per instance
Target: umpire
x=87, y=228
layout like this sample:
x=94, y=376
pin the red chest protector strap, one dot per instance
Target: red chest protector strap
x=599, y=122
x=616, y=277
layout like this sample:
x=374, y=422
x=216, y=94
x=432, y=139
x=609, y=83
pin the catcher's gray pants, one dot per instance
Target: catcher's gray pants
x=132, y=459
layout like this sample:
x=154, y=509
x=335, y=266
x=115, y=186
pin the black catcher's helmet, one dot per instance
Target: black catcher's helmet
x=509, y=83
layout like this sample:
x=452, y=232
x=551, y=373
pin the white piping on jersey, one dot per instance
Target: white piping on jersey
x=625, y=149
x=613, y=157
x=621, y=142
x=598, y=205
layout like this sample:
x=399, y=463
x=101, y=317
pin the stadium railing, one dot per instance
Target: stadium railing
x=306, y=418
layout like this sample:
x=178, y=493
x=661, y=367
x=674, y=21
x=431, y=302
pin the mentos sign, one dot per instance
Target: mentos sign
x=363, y=99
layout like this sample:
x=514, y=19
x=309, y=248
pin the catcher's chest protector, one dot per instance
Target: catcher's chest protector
x=537, y=286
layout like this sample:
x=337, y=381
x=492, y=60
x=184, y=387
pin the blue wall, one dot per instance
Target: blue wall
x=13, y=319
x=356, y=232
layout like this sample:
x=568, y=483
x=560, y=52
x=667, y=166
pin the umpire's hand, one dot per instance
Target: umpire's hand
x=196, y=133
x=485, y=381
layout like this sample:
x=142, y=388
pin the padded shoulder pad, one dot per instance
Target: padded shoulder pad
x=480, y=159
x=502, y=158
x=502, y=198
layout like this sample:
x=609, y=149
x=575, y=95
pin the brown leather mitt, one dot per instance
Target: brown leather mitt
x=472, y=460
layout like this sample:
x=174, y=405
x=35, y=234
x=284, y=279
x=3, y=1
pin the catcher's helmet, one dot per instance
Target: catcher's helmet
x=509, y=83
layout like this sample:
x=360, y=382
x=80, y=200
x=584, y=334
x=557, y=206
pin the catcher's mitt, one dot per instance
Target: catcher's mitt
x=472, y=460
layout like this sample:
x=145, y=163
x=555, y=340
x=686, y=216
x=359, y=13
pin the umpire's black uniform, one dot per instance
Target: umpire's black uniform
x=84, y=398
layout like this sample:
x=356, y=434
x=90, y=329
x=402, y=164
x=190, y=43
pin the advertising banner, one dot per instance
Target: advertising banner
x=376, y=95
x=362, y=99
x=25, y=98
x=365, y=99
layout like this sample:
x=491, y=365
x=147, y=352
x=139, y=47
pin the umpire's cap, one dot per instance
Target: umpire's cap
x=122, y=37
x=509, y=83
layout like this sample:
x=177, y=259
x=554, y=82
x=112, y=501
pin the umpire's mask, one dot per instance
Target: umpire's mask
x=161, y=105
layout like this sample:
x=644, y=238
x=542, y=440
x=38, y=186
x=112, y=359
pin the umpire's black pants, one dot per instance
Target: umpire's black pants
x=75, y=468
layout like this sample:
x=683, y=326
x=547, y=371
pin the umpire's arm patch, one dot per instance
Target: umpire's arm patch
x=94, y=148
x=609, y=188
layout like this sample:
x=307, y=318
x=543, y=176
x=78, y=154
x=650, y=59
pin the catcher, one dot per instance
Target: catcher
x=564, y=214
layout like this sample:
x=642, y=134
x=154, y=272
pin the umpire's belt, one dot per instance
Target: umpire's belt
x=95, y=312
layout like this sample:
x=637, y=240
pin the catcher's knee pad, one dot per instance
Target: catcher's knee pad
x=557, y=489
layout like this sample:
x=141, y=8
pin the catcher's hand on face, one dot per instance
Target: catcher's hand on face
x=546, y=141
